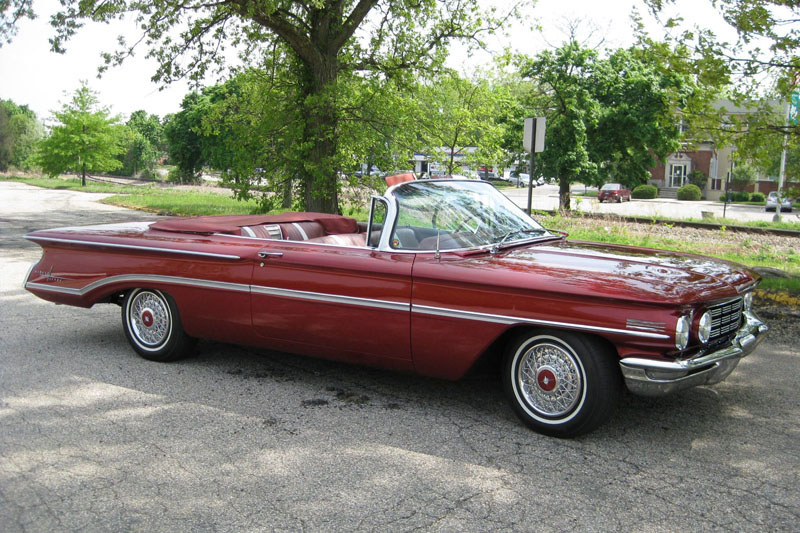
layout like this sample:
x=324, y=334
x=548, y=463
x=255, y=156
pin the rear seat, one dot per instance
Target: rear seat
x=346, y=239
x=310, y=231
x=301, y=231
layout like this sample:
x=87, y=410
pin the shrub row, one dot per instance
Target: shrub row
x=744, y=196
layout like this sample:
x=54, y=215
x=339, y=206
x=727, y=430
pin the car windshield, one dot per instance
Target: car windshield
x=457, y=215
x=610, y=187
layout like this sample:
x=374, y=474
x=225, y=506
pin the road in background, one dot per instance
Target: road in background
x=95, y=438
x=545, y=198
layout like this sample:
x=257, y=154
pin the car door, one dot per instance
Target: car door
x=342, y=302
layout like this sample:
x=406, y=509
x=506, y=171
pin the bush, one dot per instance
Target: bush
x=741, y=196
x=645, y=192
x=758, y=197
x=689, y=193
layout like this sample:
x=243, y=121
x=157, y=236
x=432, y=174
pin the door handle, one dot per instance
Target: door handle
x=263, y=255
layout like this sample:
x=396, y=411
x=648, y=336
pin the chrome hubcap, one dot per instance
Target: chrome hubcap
x=149, y=318
x=550, y=379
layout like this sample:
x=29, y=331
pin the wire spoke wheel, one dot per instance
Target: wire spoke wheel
x=561, y=383
x=550, y=379
x=150, y=319
x=153, y=327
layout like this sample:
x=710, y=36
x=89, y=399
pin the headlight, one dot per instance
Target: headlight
x=748, y=301
x=704, y=328
x=682, y=332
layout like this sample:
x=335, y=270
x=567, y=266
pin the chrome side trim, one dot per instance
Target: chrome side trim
x=330, y=298
x=190, y=282
x=28, y=273
x=337, y=299
x=133, y=247
x=504, y=319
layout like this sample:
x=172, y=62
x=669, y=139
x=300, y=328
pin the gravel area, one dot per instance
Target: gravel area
x=711, y=241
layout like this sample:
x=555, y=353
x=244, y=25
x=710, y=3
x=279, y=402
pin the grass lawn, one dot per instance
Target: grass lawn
x=183, y=203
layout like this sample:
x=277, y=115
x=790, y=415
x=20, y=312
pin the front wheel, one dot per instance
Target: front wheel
x=153, y=327
x=560, y=383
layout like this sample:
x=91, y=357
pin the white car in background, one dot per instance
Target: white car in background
x=772, y=203
x=521, y=180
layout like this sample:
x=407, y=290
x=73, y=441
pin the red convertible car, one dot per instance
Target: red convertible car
x=444, y=274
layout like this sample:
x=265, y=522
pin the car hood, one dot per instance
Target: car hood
x=616, y=272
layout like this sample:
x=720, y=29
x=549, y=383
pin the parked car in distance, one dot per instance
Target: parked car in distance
x=773, y=200
x=521, y=180
x=445, y=275
x=614, y=192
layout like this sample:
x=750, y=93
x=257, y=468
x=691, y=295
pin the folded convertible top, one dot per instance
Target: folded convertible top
x=232, y=224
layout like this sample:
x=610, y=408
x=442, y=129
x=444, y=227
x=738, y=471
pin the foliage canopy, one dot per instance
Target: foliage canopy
x=85, y=139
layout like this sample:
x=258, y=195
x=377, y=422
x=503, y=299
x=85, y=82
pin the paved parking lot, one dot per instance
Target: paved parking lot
x=545, y=197
x=96, y=439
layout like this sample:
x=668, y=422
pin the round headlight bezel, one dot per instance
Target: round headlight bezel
x=682, y=329
x=704, y=328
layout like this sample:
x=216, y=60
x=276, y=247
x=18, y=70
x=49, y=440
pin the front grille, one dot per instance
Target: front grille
x=725, y=320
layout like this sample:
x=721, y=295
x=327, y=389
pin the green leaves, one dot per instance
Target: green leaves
x=20, y=130
x=608, y=118
x=86, y=138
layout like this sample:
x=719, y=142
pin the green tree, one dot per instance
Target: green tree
x=767, y=49
x=145, y=144
x=86, y=138
x=11, y=11
x=150, y=127
x=182, y=132
x=399, y=38
x=454, y=113
x=743, y=175
x=20, y=130
x=607, y=119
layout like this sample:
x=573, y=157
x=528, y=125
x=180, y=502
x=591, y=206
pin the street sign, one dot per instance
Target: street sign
x=533, y=135
x=794, y=107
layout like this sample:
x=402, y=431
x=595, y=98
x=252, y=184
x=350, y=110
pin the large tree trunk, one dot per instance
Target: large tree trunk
x=563, y=193
x=321, y=188
x=83, y=174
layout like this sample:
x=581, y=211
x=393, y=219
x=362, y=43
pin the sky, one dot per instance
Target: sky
x=33, y=75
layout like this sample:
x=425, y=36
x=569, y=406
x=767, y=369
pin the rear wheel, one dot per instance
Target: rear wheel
x=153, y=327
x=559, y=383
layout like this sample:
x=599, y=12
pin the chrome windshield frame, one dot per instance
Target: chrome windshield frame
x=393, y=212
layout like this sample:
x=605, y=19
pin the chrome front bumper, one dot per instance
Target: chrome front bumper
x=647, y=377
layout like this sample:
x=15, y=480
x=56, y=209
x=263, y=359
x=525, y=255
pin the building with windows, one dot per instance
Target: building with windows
x=673, y=173
x=716, y=162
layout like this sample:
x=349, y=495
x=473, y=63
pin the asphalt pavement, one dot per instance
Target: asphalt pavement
x=94, y=438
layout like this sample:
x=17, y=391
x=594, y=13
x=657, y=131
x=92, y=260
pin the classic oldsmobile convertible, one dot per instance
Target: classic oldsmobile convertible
x=444, y=273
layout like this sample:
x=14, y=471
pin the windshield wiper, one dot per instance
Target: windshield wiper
x=513, y=232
